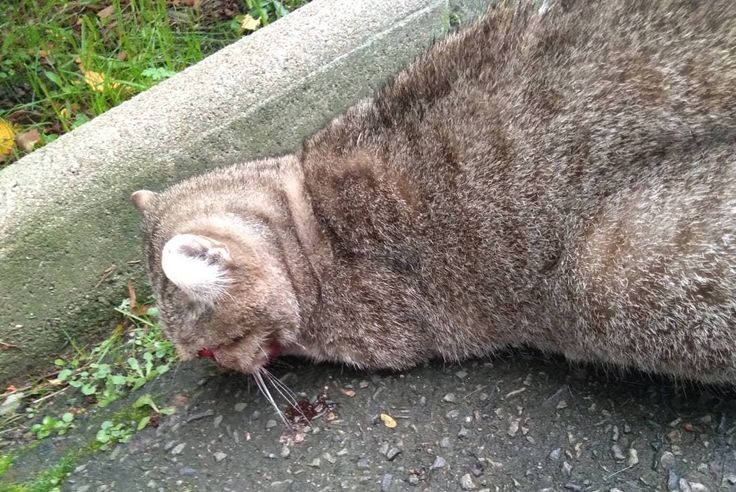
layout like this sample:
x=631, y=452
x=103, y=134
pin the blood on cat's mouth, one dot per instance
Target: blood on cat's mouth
x=272, y=351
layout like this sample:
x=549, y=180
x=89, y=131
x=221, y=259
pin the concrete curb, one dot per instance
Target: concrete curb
x=68, y=235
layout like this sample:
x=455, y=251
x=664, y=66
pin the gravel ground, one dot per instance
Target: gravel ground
x=520, y=422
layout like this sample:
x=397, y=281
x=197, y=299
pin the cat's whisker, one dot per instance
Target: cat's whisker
x=284, y=386
x=283, y=390
x=290, y=396
x=264, y=389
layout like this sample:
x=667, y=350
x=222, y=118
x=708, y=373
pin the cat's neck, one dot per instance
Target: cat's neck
x=312, y=254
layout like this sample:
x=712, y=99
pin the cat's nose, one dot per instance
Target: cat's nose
x=205, y=353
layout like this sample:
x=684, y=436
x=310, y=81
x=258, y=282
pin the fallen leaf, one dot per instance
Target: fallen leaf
x=348, y=392
x=97, y=81
x=249, y=23
x=27, y=140
x=7, y=138
x=7, y=346
x=122, y=56
x=106, y=12
x=11, y=389
x=388, y=420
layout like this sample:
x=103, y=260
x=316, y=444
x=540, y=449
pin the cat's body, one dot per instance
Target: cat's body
x=565, y=181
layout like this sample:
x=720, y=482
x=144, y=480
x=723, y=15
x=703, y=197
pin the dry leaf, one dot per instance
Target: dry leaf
x=27, y=140
x=11, y=389
x=122, y=56
x=7, y=138
x=348, y=392
x=249, y=23
x=106, y=12
x=388, y=420
x=97, y=81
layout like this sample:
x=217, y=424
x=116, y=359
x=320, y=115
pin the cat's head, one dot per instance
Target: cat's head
x=221, y=287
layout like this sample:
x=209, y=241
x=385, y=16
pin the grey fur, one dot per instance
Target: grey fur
x=564, y=181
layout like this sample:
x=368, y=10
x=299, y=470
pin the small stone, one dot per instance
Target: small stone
x=561, y=405
x=615, y=434
x=413, y=479
x=554, y=455
x=477, y=470
x=240, y=406
x=363, y=384
x=618, y=453
x=439, y=462
x=632, y=457
x=513, y=428
x=445, y=442
x=463, y=433
x=178, y=448
x=466, y=482
x=169, y=445
x=316, y=462
x=627, y=429
x=329, y=458
x=461, y=374
x=285, y=451
x=566, y=468
x=219, y=456
x=573, y=487
x=729, y=478
x=453, y=414
x=703, y=468
x=450, y=398
x=684, y=485
x=383, y=449
x=423, y=400
x=386, y=482
x=151, y=484
x=271, y=424
x=218, y=421
x=667, y=460
x=673, y=481
x=187, y=471
x=363, y=463
x=115, y=453
x=393, y=453
x=698, y=487
x=614, y=489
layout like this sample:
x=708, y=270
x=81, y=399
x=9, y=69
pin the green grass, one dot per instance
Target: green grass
x=62, y=62
x=135, y=353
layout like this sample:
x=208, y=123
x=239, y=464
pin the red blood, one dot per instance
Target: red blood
x=274, y=350
x=205, y=353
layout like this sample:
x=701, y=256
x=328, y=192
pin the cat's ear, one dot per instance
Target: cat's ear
x=141, y=199
x=198, y=265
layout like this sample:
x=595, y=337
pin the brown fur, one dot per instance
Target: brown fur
x=565, y=181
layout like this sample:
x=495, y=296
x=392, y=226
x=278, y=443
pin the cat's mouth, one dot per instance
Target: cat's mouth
x=271, y=351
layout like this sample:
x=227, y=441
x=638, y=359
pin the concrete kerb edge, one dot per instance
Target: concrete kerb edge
x=41, y=336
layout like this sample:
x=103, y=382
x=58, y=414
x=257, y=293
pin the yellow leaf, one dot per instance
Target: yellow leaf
x=7, y=138
x=97, y=82
x=388, y=421
x=249, y=23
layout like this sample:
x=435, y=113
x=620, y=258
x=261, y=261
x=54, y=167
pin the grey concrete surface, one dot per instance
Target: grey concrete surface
x=519, y=422
x=68, y=236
